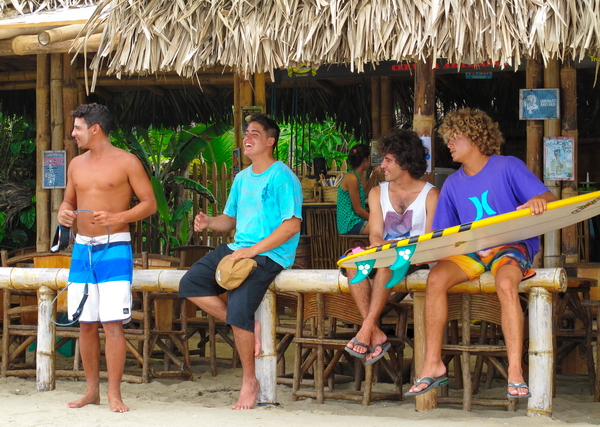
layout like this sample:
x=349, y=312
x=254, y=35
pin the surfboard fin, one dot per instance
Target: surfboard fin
x=401, y=265
x=363, y=269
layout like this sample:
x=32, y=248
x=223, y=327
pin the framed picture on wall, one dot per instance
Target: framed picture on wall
x=55, y=169
x=539, y=104
x=558, y=158
x=235, y=161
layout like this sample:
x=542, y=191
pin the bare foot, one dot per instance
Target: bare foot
x=356, y=342
x=257, y=342
x=87, y=399
x=248, y=395
x=116, y=404
x=377, y=337
x=521, y=391
x=433, y=372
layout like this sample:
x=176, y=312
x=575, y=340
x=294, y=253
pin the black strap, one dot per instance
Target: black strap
x=62, y=238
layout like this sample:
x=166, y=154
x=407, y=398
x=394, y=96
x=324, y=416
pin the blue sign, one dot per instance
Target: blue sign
x=55, y=169
x=539, y=104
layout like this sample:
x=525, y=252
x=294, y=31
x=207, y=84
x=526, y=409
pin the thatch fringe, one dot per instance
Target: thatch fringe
x=259, y=35
x=10, y=8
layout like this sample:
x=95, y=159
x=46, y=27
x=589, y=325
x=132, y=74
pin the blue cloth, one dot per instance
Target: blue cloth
x=260, y=203
x=503, y=184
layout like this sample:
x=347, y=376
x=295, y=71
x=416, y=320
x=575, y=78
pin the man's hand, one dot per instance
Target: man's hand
x=537, y=205
x=106, y=219
x=201, y=221
x=66, y=218
x=243, y=253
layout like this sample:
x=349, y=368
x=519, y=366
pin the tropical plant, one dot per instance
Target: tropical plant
x=17, y=181
x=166, y=155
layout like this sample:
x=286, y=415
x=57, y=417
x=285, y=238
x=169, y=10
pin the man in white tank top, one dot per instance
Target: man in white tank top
x=402, y=206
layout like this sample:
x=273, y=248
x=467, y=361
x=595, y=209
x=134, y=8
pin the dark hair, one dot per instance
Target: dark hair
x=269, y=125
x=408, y=150
x=95, y=114
x=358, y=154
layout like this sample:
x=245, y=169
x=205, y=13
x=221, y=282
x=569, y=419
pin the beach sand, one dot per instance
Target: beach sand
x=207, y=401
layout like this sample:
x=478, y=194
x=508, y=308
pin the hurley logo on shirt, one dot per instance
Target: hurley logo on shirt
x=265, y=193
x=482, y=205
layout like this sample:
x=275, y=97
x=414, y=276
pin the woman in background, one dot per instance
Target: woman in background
x=352, y=214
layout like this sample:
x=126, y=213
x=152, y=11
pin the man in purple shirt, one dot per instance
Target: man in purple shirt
x=487, y=184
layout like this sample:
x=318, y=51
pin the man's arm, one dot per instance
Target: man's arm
x=376, y=225
x=218, y=223
x=283, y=233
x=537, y=204
x=430, y=207
x=65, y=215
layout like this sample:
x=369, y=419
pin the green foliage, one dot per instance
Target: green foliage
x=166, y=155
x=17, y=149
x=304, y=142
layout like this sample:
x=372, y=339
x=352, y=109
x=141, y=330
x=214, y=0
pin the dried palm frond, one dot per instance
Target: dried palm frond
x=153, y=36
x=19, y=7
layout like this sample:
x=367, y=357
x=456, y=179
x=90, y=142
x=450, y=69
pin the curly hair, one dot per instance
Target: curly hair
x=95, y=114
x=358, y=154
x=408, y=150
x=476, y=126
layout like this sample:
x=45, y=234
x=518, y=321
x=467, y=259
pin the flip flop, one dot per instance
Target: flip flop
x=356, y=353
x=431, y=384
x=518, y=396
x=384, y=348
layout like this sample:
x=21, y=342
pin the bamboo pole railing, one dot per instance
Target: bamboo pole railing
x=539, y=288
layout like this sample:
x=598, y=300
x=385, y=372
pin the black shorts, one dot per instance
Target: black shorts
x=243, y=301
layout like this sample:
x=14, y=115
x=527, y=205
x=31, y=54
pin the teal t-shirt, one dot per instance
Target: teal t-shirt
x=260, y=203
x=346, y=217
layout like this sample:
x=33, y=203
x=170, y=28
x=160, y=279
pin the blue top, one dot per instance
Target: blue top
x=503, y=184
x=260, y=203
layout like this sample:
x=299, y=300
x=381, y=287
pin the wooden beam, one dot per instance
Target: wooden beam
x=9, y=33
x=69, y=104
x=156, y=90
x=67, y=32
x=17, y=76
x=424, y=113
x=29, y=45
x=42, y=109
x=535, y=128
x=376, y=107
x=387, y=106
x=568, y=111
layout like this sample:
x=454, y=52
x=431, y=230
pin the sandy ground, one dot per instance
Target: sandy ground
x=207, y=401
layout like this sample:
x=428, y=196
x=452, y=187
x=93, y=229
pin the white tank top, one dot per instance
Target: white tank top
x=411, y=223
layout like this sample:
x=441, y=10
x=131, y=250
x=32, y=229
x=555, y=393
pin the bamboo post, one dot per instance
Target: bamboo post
x=46, y=335
x=568, y=111
x=552, y=257
x=260, y=93
x=237, y=113
x=535, y=128
x=541, y=353
x=424, y=113
x=387, y=105
x=376, y=107
x=266, y=365
x=42, y=109
x=69, y=104
x=57, y=127
x=427, y=401
x=246, y=99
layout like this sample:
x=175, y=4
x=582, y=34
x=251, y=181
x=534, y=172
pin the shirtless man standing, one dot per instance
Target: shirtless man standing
x=100, y=184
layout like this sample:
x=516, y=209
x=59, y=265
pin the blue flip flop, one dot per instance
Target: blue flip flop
x=431, y=384
x=356, y=353
x=384, y=348
x=518, y=396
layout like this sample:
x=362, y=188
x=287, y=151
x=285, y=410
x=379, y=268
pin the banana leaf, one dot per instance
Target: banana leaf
x=190, y=184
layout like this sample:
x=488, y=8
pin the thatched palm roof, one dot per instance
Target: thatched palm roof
x=154, y=36
x=10, y=8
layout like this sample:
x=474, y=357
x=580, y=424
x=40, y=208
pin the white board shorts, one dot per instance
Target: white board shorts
x=107, y=270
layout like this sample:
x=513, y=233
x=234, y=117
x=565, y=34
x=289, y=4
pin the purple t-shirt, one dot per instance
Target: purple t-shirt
x=503, y=184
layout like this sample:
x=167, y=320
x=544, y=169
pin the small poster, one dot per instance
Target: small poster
x=427, y=143
x=558, y=158
x=246, y=113
x=235, y=161
x=55, y=169
x=539, y=104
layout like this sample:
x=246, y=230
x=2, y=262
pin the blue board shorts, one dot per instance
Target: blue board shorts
x=107, y=272
x=243, y=301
